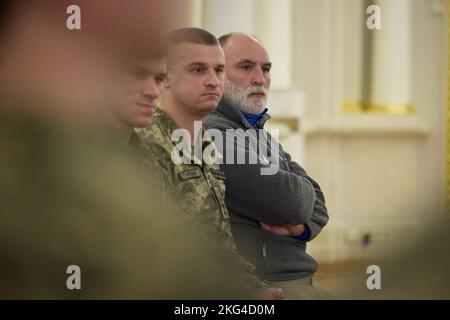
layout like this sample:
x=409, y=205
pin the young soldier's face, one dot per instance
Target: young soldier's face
x=141, y=88
x=195, y=76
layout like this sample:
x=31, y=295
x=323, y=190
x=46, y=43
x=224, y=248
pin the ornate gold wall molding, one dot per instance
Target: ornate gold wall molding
x=398, y=109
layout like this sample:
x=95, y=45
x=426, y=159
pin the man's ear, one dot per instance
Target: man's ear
x=166, y=82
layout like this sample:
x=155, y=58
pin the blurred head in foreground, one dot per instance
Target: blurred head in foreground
x=70, y=195
x=75, y=72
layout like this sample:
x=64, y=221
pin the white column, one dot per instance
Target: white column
x=196, y=13
x=188, y=14
x=221, y=17
x=390, y=82
x=275, y=32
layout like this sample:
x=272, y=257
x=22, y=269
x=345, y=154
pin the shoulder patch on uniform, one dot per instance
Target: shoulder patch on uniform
x=218, y=174
x=190, y=174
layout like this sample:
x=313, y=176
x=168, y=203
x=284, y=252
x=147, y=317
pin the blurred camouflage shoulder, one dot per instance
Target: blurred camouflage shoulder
x=73, y=195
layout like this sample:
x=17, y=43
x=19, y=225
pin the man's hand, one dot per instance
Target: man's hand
x=269, y=294
x=287, y=230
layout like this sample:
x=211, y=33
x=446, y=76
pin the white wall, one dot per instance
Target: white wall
x=381, y=174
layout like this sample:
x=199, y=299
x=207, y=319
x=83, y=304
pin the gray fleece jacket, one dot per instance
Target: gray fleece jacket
x=289, y=196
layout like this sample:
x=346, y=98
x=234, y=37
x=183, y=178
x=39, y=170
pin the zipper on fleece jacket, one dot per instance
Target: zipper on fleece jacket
x=264, y=251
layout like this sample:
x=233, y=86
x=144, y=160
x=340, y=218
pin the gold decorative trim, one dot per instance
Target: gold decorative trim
x=396, y=109
x=291, y=123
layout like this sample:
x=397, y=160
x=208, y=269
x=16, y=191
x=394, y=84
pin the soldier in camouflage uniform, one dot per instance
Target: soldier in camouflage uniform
x=196, y=185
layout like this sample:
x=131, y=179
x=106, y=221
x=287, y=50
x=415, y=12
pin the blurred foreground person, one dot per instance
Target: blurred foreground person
x=70, y=194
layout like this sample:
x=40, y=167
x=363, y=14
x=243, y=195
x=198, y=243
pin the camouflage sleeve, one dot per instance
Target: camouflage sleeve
x=164, y=172
x=248, y=276
x=158, y=173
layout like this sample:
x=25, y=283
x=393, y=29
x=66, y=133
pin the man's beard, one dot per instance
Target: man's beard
x=240, y=98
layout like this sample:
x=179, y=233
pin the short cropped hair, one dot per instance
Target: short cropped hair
x=224, y=39
x=192, y=35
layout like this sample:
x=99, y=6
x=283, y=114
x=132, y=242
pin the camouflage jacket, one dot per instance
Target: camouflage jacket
x=198, y=188
x=148, y=163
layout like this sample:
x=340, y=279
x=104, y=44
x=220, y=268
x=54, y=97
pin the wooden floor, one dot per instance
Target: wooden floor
x=339, y=278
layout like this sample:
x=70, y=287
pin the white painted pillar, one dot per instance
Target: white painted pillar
x=188, y=14
x=391, y=60
x=275, y=32
x=221, y=17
